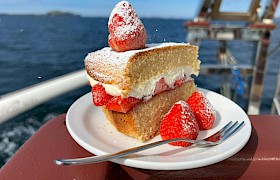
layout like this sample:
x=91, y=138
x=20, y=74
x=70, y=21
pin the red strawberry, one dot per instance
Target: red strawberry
x=203, y=110
x=179, y=82
x=179, y=122
x=99, y=95
x=122, y=104
x=127, y=32
x=161, y=86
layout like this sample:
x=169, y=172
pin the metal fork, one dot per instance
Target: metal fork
x=217, y=138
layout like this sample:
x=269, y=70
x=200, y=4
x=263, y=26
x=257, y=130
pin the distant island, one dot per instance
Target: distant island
x=60, y=13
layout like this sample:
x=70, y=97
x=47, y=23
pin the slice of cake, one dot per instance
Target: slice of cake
x=155, y=78
x=137, y=84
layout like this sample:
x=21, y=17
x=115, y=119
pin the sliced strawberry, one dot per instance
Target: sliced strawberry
x=122, y=104
x=127, y=32
x=180, y=122
x=99, y=95
x=179, y=82
x=161, y=86
x=203, y=110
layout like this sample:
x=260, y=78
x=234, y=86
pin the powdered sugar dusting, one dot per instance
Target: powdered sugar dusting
x=127, y=21
x=179, y=122
x=189, y=124
x=118, y=60
x=208, y=111
x=203, y=110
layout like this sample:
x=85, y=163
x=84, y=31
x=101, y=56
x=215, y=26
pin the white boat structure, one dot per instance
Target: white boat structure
x=257, y=29
x=17, y=102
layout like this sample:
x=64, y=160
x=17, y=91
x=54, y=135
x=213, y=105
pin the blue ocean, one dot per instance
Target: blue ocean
x=34, y=49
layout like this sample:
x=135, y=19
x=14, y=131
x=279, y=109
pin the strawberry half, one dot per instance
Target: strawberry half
x=122, y=104
x=127, y=32
x=179, y=82
x=161, y=86
x=180, y=122
x=99, y=95
x=203, y=110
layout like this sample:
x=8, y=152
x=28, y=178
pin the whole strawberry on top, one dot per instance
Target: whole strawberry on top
x=203, y=110
x=179, y=122
x=127, y=32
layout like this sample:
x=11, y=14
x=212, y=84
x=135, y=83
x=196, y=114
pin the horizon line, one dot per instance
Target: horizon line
x=85, y=16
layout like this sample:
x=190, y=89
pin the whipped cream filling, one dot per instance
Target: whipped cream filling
x=146, y=90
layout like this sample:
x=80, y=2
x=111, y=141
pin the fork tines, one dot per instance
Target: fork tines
x=231, y=130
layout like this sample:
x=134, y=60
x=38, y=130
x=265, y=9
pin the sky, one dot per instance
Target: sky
x=102, y=8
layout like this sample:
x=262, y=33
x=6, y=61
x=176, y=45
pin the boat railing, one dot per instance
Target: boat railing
x=15, y=103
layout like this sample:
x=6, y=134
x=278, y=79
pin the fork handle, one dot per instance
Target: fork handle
x=102, y=158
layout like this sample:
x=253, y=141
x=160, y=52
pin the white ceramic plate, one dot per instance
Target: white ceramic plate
x=90, y=129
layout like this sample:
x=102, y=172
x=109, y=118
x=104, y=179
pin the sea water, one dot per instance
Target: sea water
x=37, y=48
